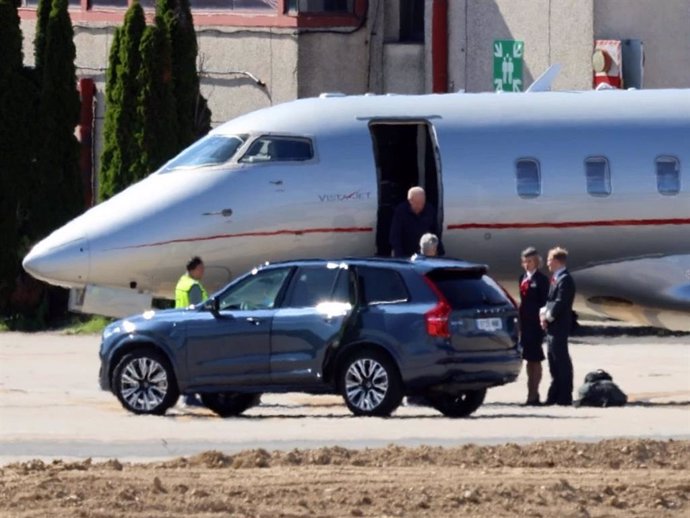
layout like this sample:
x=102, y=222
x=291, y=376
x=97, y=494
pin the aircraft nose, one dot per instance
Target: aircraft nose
x=64, y=262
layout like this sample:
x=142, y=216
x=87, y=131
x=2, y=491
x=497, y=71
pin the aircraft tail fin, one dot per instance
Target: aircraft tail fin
x=543, y=82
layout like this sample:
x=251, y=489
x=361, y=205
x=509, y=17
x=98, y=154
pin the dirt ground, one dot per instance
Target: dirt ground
x=610, y=478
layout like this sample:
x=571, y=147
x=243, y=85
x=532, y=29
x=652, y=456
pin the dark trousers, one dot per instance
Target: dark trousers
x=561, y=368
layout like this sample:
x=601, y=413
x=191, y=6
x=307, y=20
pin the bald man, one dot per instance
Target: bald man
x=411, y=220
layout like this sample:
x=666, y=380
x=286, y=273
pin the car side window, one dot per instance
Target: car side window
x=381, y=286
x=313, y=285
x=258, y=291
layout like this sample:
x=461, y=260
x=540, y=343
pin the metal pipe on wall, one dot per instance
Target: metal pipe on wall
x=439, y=46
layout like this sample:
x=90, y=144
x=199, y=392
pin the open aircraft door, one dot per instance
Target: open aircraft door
x=406, y=155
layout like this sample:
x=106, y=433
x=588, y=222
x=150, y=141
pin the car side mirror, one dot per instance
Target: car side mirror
x=211, y=304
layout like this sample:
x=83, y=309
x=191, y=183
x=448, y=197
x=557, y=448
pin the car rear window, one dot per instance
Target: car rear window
x=381, y=286
x=468, y=290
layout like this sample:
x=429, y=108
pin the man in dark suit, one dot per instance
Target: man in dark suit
x=556, y=318
x=411, y=220
x=534, y=287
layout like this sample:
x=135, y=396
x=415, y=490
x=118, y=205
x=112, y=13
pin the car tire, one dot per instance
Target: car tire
x=145, y=383
x=459, y=404
x=370, y=384
x=229, y=404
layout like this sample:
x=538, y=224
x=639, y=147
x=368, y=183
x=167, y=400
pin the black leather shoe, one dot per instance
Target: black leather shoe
x=533, y=402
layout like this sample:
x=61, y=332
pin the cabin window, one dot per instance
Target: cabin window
x=598, y=176
x=528, y=178
x=209, y=151
x=279, y=149
x=668, y=175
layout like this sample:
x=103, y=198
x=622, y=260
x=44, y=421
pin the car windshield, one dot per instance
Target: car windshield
x=209, y=151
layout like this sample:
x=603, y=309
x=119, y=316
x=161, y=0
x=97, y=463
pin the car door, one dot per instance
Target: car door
x=312, y=318
x=232, y=346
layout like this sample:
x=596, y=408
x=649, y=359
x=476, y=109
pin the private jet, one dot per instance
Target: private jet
x=602, y=173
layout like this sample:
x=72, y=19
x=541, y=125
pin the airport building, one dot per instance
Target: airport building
x=256, y=53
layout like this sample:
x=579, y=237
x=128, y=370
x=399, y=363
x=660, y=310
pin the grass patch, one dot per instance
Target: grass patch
x=87, y=325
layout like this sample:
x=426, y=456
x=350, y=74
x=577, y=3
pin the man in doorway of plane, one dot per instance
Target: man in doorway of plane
x=411, y=220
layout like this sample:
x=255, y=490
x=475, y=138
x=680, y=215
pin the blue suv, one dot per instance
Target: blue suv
x=373, y=330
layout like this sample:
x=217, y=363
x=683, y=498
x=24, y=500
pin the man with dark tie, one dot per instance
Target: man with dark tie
x=556, y=319
x=534, y=287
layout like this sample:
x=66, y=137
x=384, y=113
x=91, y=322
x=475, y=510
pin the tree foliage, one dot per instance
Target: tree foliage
x=153, y=104
x=18, y=114
x=42, y=14
x=58, y=189
x=156, y=103
x=123, y=126
x=193, y=114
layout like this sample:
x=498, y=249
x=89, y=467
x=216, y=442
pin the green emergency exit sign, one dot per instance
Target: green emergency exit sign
x=508, y=65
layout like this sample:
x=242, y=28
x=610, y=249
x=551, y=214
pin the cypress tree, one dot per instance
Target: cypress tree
x=58, y=152
x=18, y=114
x=193, y=115
x=156, y=103
x=108, y=181
x=123, y=126
x=42, y=14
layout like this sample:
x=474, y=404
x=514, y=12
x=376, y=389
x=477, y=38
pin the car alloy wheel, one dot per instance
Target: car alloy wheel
x=366, y=383
x=370, y=384
x=144, y=383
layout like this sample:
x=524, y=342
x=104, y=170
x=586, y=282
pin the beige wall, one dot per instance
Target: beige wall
x=664, y=28
x=226, y=58
x=333, y=62
x=554, y=31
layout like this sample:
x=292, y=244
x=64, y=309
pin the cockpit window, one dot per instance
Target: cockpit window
x=279, y=149
x=209, y=151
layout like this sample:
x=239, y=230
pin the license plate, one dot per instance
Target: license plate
x=489, y=324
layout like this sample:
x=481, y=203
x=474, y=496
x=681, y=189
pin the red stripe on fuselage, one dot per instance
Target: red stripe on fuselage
x=573, y=224
x=459, y=226
x=259, y=234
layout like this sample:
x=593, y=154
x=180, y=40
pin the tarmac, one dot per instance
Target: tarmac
x=51, y=407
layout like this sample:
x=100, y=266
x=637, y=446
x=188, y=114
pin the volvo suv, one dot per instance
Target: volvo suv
x=372, y=330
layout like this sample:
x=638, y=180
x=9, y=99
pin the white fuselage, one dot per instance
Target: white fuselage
x=629, y=251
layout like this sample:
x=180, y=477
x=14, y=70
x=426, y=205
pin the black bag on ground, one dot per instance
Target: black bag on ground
x=600, y=390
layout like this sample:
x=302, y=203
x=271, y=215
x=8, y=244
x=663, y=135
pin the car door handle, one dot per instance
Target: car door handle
x=255, y=321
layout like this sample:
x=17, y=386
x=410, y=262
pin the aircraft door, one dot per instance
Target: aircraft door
x=406, y=155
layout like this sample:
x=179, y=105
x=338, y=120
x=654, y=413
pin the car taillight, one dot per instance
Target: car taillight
x=438, y=318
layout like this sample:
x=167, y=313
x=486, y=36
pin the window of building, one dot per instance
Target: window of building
x=598, y=176
x=381, y=286
x=528, y=177
x=411, y=21
x=279, y=149
x=216, y=5
x=320, y=6
x=71, y=3
x=668, y=175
